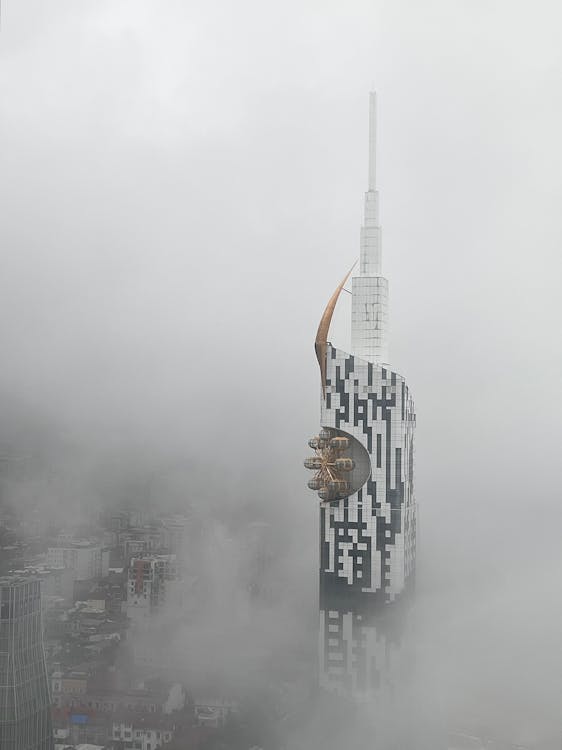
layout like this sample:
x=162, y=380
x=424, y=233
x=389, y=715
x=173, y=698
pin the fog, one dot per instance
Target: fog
x=181, y=191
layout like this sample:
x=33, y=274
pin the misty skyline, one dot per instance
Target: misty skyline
x=181, y=190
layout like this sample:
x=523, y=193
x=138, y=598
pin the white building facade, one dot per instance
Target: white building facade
x=150, y=581
x=143, y=733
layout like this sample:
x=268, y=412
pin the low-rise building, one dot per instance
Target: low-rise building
x=138, y=731
x=213, y=711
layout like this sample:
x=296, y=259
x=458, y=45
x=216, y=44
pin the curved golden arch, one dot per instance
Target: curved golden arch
x=321, y=342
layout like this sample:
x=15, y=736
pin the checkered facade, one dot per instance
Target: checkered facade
x=367, y=540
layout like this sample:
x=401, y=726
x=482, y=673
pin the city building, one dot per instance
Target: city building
x=87, y=559
x=143, y=731
x=25, y=706
x=57, y=584
x=137, y=541
x=363, y=473
x=212, y=711
x=148, y=580
x=174, y=536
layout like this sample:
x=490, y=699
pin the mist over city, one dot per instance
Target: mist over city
x=181, y=188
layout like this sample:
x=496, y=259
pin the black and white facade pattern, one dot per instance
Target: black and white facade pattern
x=368, y=539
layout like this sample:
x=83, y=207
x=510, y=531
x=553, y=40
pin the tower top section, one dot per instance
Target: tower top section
x=370, y=233
x=370, y=289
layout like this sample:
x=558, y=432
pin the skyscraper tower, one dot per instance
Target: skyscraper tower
x=363, y=466
x=25, y=706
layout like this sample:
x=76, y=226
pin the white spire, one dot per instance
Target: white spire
x=370, y=288
x=372, y=140
x=370, y=232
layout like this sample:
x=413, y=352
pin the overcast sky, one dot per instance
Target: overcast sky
x=181, y=190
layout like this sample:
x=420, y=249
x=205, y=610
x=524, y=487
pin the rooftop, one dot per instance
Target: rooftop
x=145, y=720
